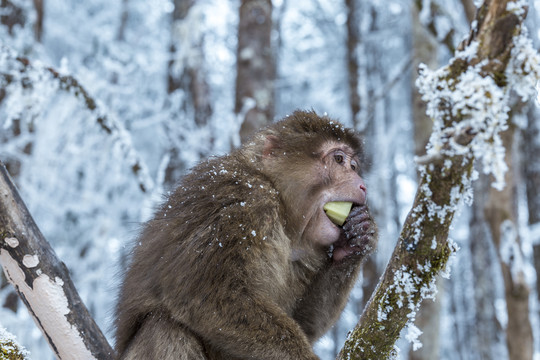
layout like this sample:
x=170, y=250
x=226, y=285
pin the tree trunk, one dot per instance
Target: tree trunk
x=186, y=68
x=500, y=213
x=486, y=326
x=531, y=167
x=186, y=74
x=38, y=25
x=43, y=282
x=353, y=39
x=423, y=248
x=11, y=15
x=425, y=50
x=124, y=16
x=254, y=103
x=470, y=9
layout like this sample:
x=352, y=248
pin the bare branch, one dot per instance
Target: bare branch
x=43, y=283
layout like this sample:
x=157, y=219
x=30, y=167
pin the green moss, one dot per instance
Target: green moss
x=455, y=69
x=10, y=351
x=500, y=78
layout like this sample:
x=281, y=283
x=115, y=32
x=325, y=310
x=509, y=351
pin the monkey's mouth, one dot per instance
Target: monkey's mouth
x=355, y=234
x=350, y=224
x=340, y=220
x=338, y=211
x=331, y=231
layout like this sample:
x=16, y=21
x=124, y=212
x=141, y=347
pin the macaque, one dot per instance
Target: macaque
x=241, y=261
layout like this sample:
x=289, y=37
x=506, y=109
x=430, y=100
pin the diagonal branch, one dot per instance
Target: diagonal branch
x=467, y=101
x=43, y=283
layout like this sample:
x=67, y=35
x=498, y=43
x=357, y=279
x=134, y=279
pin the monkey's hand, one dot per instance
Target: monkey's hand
x=359, y=236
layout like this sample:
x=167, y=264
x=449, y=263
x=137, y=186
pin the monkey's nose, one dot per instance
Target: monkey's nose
x=363, y=192
x=363, y=188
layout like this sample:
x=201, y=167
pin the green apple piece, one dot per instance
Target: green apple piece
x=338, y=211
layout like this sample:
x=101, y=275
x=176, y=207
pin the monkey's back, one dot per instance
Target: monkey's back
x=212, y=221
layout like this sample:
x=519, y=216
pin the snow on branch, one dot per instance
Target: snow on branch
x=43, y=283
x=35, y=83
x=468, y=102
x=475, y=92
x=9, y=348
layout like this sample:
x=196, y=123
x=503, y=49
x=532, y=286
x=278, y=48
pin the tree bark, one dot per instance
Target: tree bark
x=186, y=68
x=38, y=25
x=43, y=283
x=425, y=50
x=353, y=39
x=187, y=74
x=254, y=103
x=423, y=248
x=487, y=328
x=531, y=167
x=470, y=9
x=501, y=216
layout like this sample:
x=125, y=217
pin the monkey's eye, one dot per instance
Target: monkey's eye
x=339, y=158
x=354, y=165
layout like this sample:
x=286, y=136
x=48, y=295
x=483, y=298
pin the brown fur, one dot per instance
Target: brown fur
x=223, y=270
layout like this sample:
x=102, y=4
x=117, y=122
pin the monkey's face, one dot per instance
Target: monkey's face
x=333, y=177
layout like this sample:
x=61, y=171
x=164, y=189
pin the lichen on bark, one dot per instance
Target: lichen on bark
x=468, y=102
x=9, y=348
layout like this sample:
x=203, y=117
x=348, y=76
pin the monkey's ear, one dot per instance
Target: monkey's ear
x=271, y=142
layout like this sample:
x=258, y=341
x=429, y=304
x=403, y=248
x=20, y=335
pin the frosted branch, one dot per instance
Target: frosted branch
x=46, y=81
x=468, y=103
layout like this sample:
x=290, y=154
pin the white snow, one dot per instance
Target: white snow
x=412, y=336
x=48, y=301
x=30, y=261
x=5, y=337
x=479, y=102
x=12, y=242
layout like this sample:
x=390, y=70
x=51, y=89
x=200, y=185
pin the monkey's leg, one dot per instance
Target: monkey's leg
x=247, y=327
x=162, y=338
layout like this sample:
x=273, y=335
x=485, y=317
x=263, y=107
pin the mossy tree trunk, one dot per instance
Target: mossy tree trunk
x=423, y=248
x=425, y=50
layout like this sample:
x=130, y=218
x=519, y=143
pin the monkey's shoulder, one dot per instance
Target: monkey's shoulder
x=220, y=193
x=225, y=181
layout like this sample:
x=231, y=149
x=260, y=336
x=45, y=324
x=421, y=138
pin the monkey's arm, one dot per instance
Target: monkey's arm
x=228, y=283
x=324, y=300
x=327, y=295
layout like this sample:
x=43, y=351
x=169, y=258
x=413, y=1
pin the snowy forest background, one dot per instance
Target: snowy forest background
x=105, y=104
